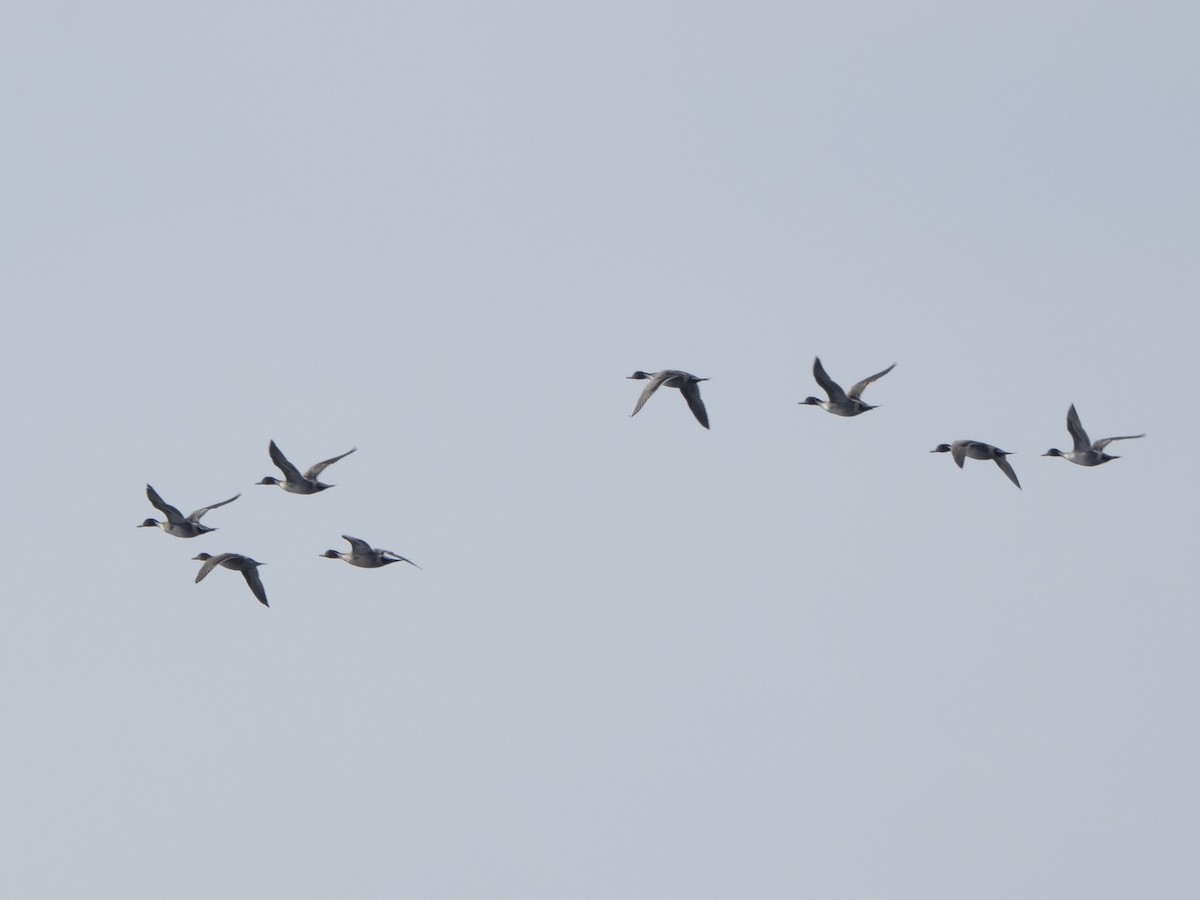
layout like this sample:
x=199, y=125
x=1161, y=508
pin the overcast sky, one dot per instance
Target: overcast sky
x=793, y=656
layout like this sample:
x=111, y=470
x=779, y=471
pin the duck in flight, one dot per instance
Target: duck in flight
x=960, y=450
x=176, y=523
x=1085, y=452
x=295, y=483
x=244, y=564
x=365, y=556
x=841, y=403
x=688, y=384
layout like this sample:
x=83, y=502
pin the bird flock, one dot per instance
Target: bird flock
x=1084, y=452
x=361, y=553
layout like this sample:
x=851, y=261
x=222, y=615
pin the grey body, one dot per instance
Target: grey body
x=960, y=450
x=688, y=385
x=1085, y=452
x=177, y=523
x=365, y=556
x=244, y=564
x=841, y=403
x=295, y=483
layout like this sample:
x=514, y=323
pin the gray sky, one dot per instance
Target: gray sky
x=794, y=656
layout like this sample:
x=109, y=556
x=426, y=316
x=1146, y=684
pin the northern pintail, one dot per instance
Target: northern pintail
x=244, y=564
x=295, y=483
x=176, y=523
x=960, y=450
x=841, y=403
x=1086, y=453
x=365, y=556
x=688, y=384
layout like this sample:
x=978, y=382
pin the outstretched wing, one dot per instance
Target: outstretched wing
x=211, y=563
x=195, y=517
x=317, y=468
x=358, y=546
x=290, y=472
x=1078, y=435
x=1104, y=442
x=256, y=585
x=1007, y=470
x=650, y=388
x=958, y=450
x=856, y=391
x=691, y=393
x=828, y=385
x=174, y=516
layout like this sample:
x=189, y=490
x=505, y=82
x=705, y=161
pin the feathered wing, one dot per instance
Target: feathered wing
x=317, y=468
x=828, y=385
x=211, y=563
x=1078, y=435
x=691, y=393
x=1007, y=469
x=856, y=391
x=1104, y=442
x=256, y=585
x=648, y=390
x=195, y=517
x=958, y=450
x=290, y=472
x=396, y=557
x=174, y=516
x=358, y=546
